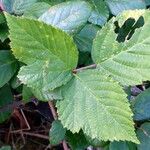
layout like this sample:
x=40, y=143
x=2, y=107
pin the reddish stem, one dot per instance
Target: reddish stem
x=1, y=6
x=84, y=68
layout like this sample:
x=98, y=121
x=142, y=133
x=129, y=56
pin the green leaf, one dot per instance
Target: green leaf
x=8, y=66
x=68, y=16
x=3, y=28
x=141, y=106
x=5, y=148
x=147, y=2
x=76, y=141
x=26, y=94
x=57, y=133
x=118, y=146
x=143, y=134
x=3, y=32
x=17, y=6
x=106, y=147
x=50, y=54
x=29, y=93
x=118, y=6
x=6, y=99
x=122, y=146
x=96, y=142
x=84, y=39
x=100, y=12
x=2, y=18
x=93, y=102
x=127, y=62
x=15, y=82
x=48, y=95
x=132, y=146
x=53, y=2
x=85, y=59
x=36, y=10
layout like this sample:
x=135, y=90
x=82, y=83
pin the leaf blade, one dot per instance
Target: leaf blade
x=117, y=7
x=57, y=133
x=127, y=62
x=8, y=66
x=100, y=12
x=45, y=50
x=68, y=16
x=140, y=106
x=6, y=99
x=92, y=93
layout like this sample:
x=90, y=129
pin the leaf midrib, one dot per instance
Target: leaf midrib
x=97, y=98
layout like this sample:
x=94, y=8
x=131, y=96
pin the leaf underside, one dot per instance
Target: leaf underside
x=68, y=16
x=17, y=6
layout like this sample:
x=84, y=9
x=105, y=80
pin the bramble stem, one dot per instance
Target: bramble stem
x=51, y=105
x=65, y=145
x=36, y=135
x=1, y=7
x=84, y=68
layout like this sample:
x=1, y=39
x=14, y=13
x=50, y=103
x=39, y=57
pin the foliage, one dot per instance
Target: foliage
x=82, y=55
x=6, y=99
x=8, y=66
x=91, y=89
x=127, y=62
x=57, y=133
x=72, y=15
x=143, y=134
x=5, y=148
x=141, y=106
